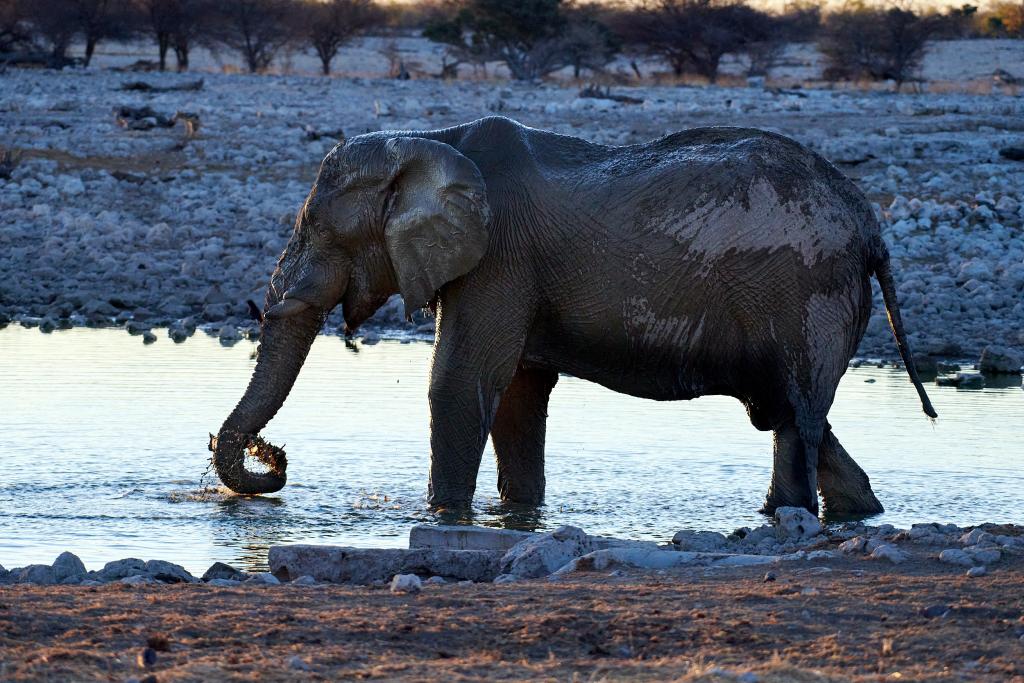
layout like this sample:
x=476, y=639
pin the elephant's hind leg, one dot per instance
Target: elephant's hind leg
x=845, y=488
x=794, y=471
x=518, y=435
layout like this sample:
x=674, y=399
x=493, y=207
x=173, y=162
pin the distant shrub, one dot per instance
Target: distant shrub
x=328, y=24
x=876, y=43
x=175, y=24
x=256, y=29
x=532, y=38
x=692, y=36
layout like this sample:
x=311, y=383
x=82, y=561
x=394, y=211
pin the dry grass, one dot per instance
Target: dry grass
x=863, y=621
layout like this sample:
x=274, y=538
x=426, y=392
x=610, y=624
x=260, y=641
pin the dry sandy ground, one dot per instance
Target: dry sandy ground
x=855, y=620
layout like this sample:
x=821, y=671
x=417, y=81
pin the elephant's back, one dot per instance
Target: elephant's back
x=722, y=191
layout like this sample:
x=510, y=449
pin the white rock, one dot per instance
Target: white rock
x=303, y=581
x=974, y=572
x=264, y=578
x=406, y=583
x=223, y=583
x=699, y=541
x=956, y=556
x=795, y=523
x=975, y=537
x=644, y=558
x=545, y=553
x=854, y=546
x=296, y=662
x=506, y=578
x=457, y=537
x=889, y=552
x=338, y=564
x=820, y=555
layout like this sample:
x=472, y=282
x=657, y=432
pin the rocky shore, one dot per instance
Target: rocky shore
x=446, y=554
x=789, y=601
x=176, y=228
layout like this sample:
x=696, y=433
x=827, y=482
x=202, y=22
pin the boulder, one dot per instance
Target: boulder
x=67, y=568
x=453, y=537
x=646, y=558
x=545, y=553
x=888, y=551
x=793, y=523
x=224, y=583
x=983, y=555
x=168, y=572
x=338, y=564
x=956, y=556
x=41, y=574
x=264, y=579
x=219, y=570
x=699, y=541
x=138, y=580
x=120, y=569
x=406, y=583
x=977, y=536
x=1000, y=360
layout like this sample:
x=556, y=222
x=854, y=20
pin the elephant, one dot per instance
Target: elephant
x=720, y=260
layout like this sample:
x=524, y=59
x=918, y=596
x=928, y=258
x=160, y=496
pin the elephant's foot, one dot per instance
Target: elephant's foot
x=845, y=487
x=791, y=484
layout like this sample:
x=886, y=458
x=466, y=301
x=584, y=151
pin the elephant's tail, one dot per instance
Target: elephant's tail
x=883, y=271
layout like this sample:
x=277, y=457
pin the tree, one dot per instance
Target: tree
x=876, y=43
x=527, y=36
x=797, y=24
x=255, y=29
x=15, y=31
x=692, y=36
x=329, y=24
x=175, y=24
x=54, y=22
x=588, y=42
x=98, y=20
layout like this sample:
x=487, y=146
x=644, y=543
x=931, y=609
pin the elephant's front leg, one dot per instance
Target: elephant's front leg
x=475, y=357
x=518, y=435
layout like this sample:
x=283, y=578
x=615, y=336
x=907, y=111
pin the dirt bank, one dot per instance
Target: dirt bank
x=847, y=620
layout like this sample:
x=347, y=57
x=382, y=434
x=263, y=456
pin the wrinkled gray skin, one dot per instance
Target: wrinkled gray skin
x=712, y=261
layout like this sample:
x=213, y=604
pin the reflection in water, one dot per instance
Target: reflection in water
x=105, y=450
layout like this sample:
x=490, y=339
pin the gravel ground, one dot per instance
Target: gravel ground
x=101, y=224
x=853, y=620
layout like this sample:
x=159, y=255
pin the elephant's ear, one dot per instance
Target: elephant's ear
x=436, y=224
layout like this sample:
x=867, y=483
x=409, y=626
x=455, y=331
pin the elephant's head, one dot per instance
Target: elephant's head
x=386, y=215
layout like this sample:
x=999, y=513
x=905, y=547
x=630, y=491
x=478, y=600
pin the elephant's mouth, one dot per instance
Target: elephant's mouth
x=255, y=450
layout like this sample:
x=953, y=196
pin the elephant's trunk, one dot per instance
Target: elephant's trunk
x=283, y=348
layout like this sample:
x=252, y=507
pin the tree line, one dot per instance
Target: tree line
x=532, y=38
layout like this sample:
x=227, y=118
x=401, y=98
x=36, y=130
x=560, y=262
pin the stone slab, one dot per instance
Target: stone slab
x=339, y=564
x=465, y=537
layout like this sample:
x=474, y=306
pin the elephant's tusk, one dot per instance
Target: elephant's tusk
x=255, y=311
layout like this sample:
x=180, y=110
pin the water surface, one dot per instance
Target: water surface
x=105, y=450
